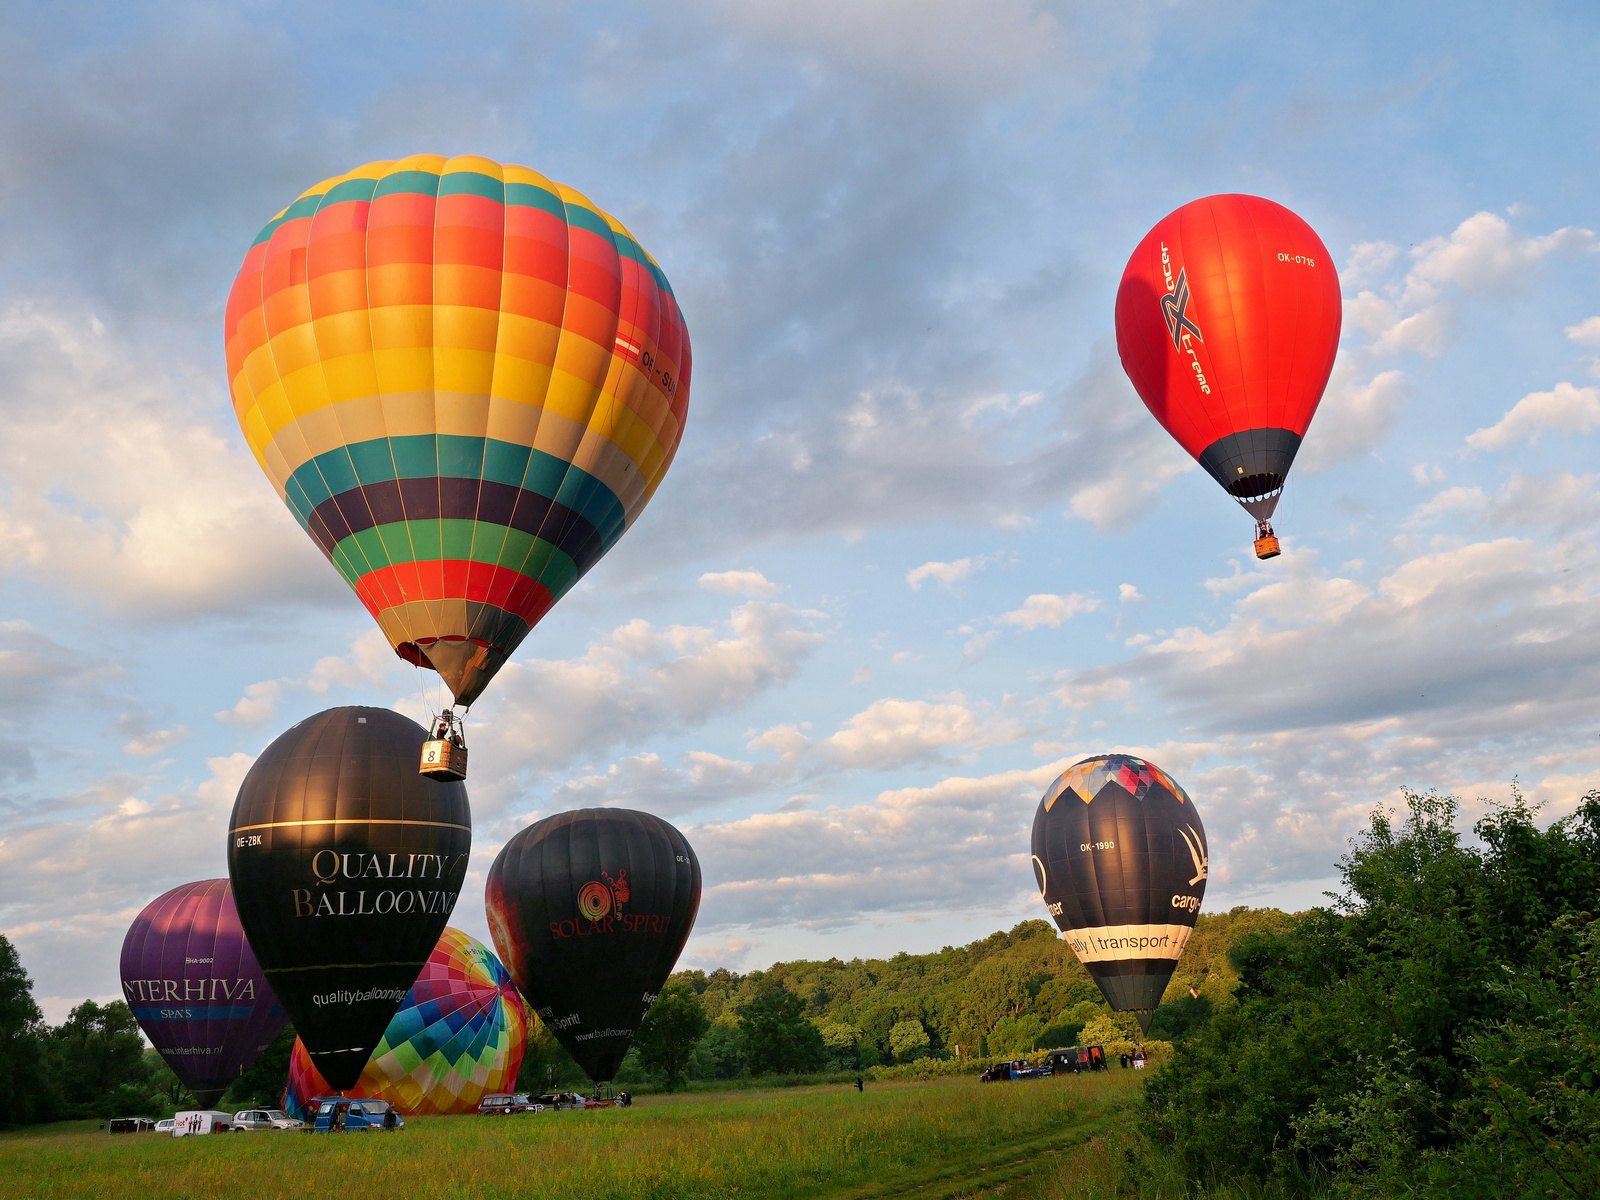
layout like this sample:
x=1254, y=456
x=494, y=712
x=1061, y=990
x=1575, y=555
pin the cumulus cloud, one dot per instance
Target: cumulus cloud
x=1483, y=252
x=1565, y=408
x=946, y=573
x=1048, y=609
x=640, y=680
x=1353, y=418
x=1586, y=332
x=889, y=734
x=1560, y=500
x=1368, y=263
x=115, y=496
x=910, y=849
x=72, y=879
x=740, y=583
x=370, y=662
x=1322, y=649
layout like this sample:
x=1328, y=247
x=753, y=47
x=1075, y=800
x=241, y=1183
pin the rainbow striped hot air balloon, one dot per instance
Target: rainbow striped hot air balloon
x=466, y=382
x=459, y=1036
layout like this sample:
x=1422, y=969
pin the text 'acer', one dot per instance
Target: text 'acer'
x=1120, y=856
x=196, y=989
x=589, y=910
x=466, y=381
x=1228, y=321
x=346, y=864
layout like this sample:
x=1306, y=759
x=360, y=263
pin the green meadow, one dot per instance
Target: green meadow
x=944, y=1138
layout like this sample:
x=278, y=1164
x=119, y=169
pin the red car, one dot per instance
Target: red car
x=501, y=1104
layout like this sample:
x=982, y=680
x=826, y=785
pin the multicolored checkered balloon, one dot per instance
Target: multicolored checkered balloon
x=459, y=1035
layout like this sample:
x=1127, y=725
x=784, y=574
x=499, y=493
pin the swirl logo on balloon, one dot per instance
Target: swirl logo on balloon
x=594, y=900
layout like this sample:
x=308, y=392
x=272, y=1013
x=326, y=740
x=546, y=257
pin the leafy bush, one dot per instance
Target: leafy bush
x=1434, y=1028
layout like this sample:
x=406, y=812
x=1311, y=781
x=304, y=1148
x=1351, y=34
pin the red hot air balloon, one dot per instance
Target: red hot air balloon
x=196, y=988
x=1227, y=323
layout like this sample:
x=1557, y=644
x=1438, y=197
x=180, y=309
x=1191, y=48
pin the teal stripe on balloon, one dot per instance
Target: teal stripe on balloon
x=428, y=456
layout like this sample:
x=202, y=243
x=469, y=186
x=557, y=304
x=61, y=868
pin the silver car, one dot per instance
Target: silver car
x=264, y=1118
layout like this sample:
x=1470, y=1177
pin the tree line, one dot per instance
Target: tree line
x=95, y=1063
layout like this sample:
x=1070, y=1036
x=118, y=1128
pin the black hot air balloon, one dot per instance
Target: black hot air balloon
x=345, y=866
x=1120, y=857
x=589, y=911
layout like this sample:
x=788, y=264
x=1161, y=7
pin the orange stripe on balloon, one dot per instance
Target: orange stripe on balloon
x=406, y=583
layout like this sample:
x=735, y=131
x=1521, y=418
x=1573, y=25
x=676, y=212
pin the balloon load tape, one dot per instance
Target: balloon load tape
x=444, y=755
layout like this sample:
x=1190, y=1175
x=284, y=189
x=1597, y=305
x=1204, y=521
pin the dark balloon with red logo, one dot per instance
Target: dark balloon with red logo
x=1121, y=858
x=589, y=911
x=196, y=989
x=1227, y=323
x=346, y=864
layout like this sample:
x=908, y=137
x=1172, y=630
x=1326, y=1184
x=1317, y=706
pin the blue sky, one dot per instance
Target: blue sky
x=922, y=546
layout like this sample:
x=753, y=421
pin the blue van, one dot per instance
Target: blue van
x=352, y=1114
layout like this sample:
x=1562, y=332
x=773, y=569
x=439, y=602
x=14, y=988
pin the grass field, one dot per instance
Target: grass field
x=946, y=1138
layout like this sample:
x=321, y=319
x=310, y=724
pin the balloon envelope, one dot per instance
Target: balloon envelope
x=459, y=1036
x=589, y=910
x=346, y=864
x=466, y=381
x=196, y=989
x=1228, y=320
x=1120, y=856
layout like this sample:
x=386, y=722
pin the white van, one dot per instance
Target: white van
x=202, y=1120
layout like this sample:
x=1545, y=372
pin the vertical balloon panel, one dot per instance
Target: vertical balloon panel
x=346, y=864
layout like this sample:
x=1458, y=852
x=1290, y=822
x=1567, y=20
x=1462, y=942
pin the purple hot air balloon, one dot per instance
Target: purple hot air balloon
x=196, y=988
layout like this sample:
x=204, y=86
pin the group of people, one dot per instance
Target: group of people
x=1136, y=1060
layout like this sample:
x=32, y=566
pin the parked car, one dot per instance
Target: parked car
x=131, y=1125
x=265, y=1118
x=351, y=1114
x=201, y=1120
x=503, y=1104
x=165, y=1126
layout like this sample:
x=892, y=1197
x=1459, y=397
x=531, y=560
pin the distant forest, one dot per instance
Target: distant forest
x=1009, y=995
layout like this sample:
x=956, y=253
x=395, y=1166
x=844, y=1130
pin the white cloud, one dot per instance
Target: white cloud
x=961, y=842
x=1353, y=419
x=1048, y=609
x=1485, y=252
x=135, y=506
x=639, y=681
x=150, y=744
x=1369, y=262
x=1565, y=408
x=740, y=583
x=71, y=881
x=1425, y=332
x=1322, y=650
x=1128, y=593
x=1562, y=501
x=946, y=573
x=371, y=662
x=1586, y=332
